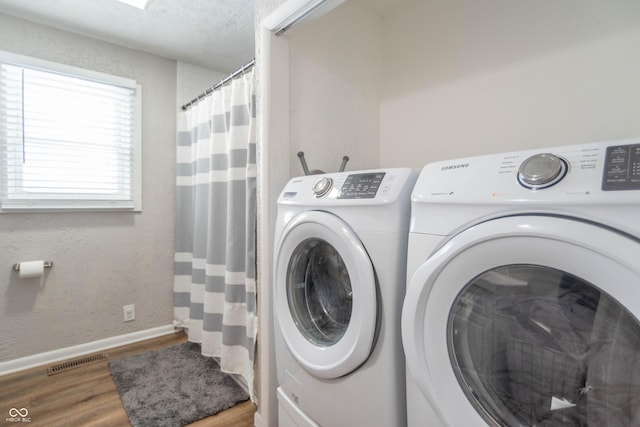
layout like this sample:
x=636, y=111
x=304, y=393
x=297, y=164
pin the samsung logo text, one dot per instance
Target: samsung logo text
x=456, y=166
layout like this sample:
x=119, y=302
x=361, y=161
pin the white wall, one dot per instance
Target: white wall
x=102, y=261
x=335, y=87
x=465, y=77
x=265, y=375
x=431, y=80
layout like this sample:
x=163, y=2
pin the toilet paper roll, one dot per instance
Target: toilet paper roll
x=31, y=269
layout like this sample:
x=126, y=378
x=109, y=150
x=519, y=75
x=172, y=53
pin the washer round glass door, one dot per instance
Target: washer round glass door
x=319, y=292
x=325, y=294
x=528, y=321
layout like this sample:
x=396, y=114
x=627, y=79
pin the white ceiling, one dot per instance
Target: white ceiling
x=216, y=34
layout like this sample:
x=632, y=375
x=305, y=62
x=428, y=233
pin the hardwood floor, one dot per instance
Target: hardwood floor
x=87, y=395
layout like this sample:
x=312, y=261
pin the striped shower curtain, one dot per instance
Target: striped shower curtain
x=215, y=273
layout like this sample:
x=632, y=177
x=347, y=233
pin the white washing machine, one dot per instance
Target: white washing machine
x=523, y=298
x=339, y=282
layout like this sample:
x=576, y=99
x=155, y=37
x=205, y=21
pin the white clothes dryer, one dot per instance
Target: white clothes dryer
x=523, y=299
x=339, y=282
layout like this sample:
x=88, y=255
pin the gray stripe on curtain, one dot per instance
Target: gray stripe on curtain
x=236, y=335
x=233, y=293
x=251, y=158
x=226, y=196
x=182, y=268
x=217, y=162
x=239, y=116
x=184, y=220
x=197, y=311
x=185, y=137
x=181, y=299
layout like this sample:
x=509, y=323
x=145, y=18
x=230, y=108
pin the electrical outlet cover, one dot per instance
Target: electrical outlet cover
x=129, y=312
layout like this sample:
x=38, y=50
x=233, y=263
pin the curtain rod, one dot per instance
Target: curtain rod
x=219, y=84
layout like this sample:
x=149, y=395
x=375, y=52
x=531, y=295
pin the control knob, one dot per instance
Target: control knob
x=322, y=186
x=542, y=171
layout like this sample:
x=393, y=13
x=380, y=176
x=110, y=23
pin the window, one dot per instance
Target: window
x=69, y=138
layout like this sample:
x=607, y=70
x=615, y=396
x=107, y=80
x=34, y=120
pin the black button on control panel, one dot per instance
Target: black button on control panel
x=622, y=168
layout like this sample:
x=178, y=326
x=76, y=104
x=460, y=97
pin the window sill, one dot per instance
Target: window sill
x=68, y=206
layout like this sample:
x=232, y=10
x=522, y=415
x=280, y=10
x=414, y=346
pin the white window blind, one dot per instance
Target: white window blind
x=69, y=139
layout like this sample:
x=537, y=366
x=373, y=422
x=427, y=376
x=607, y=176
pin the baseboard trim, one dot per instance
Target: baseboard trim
x=49, y=357
x=257, y=419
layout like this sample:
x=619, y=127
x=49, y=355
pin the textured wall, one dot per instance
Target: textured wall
x=194, y=80
x=102, y=261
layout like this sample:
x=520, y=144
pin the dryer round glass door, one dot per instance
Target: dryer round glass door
x=528, y=321
x=325, y=295
x=534, y=345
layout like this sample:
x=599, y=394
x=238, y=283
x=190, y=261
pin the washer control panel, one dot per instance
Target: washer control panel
x=621, y=168
x=361, y=186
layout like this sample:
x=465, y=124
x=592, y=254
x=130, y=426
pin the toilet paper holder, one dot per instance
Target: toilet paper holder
x=47, y=264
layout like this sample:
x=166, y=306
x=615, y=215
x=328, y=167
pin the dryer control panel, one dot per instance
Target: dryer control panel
x=621, y=168
x=594, y=173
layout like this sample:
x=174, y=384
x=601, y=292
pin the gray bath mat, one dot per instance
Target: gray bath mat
x=173, y=387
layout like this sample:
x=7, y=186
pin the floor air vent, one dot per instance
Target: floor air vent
x=76, y=363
